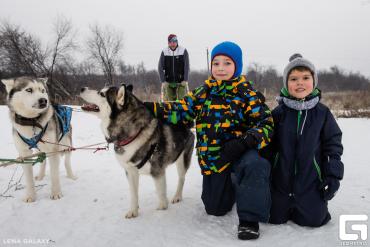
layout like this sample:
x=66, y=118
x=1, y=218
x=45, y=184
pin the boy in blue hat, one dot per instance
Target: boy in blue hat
x=307, y=150
x=232, y=124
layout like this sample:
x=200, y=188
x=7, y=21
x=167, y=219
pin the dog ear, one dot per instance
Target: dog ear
x=130, y=88
x=9, y=84
x=121, y=95
x=43, y=80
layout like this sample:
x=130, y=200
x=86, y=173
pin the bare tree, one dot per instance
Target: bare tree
x=105, y=46
x=21, y=53
x=62, y=45
x=255, y=72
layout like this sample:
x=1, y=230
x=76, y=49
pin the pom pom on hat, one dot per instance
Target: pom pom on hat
x=294, y=56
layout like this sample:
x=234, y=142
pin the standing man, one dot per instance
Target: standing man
x=173, y=69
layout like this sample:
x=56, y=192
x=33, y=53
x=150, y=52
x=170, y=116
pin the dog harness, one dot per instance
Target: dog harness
x=64, y=116
x=32, y=142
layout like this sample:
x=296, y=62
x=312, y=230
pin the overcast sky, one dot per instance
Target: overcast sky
x=327, y=32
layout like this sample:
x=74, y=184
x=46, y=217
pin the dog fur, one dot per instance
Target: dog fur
x=28, y=99
x=124, y=118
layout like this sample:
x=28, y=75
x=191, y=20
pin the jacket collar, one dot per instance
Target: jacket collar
x=299, y=104
x=221, y=86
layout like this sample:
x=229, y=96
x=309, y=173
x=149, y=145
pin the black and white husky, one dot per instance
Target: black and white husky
x=142, y=143
x=35, y=124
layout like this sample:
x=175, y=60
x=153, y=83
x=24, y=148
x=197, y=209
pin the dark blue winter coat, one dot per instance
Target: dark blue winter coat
x=307, y=149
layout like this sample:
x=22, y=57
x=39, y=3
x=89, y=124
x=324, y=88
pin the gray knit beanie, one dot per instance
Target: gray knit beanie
x=296, y=60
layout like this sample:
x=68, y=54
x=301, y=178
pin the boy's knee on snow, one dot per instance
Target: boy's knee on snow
x=311, y=221
x=217, y=208
x=216, y=212
x=252, y=163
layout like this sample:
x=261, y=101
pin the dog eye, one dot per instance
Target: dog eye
x=102, y=94
x=29, y=90
x=42, y=90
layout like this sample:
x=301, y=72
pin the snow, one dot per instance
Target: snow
x=91, y=213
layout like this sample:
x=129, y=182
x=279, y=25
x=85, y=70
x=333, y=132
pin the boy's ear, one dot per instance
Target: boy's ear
x=121, y=95
x=9, y=84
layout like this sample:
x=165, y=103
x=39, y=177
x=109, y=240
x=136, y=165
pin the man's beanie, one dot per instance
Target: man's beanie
x=296, y=60
x=172, y=37
x=232, y=51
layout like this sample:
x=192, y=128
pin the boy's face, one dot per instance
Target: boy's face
x=300, y=83
x=223, y=67
x=172, y=45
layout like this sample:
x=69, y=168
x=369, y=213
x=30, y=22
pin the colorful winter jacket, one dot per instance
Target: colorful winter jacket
x=222, y=110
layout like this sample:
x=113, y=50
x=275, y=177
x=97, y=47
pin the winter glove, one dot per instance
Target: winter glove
x=329, y=187
x=232, y=150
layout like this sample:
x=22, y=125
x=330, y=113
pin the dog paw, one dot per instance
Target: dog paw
x=39, y=177
x=56, y=196
x=176, y=199
x=73, y=177
x=29, y=198
x=132, y=214
x=163, y=205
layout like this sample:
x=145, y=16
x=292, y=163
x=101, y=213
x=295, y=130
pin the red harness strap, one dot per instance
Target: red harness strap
x=127, y=141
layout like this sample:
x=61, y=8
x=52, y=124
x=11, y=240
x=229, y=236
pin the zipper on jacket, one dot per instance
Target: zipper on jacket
x=173, y=65
x=318, y=170
x=299, y=121
x=298, y=127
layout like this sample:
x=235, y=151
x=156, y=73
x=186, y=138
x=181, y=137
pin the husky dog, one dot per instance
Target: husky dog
x=35, y=124
x=142, y=143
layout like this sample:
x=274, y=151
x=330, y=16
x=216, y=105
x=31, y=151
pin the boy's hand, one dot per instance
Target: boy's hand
x=329, y=187
x=232, y=150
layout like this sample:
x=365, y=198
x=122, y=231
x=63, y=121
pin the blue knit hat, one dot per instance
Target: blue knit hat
x=232, y=51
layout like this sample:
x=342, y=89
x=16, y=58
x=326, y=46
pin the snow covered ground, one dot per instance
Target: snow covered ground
x=91, y=213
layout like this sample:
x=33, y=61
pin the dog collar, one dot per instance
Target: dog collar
x=124, y=142
x=28, y=121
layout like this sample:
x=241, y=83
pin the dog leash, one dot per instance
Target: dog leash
x=30, y=159
x=41, y=156
x=87, y=147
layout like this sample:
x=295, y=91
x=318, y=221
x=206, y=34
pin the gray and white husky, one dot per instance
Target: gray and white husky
x=142, y=143
x=35, y=124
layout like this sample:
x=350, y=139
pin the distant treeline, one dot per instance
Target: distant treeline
x=147, y=86
x=24, y=54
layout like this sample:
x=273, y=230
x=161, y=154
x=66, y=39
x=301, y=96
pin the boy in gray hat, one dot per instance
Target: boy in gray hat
x=307, y=150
